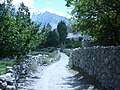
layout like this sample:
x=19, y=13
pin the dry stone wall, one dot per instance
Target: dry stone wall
x=101, y=62
x=11, y=79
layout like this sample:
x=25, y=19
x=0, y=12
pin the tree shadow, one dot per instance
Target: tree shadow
x=82, y=81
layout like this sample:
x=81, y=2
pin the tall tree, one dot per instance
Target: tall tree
x=98, y=18
x=18, y=34
x=46, y=33
x=49, y=27
x=7, y=29
x=52, y=39
x=62, y=31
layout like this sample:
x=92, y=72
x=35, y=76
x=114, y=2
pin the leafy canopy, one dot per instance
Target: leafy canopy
x=98, y=18
x=18, y=33
x=62, y=31
x=52, y=38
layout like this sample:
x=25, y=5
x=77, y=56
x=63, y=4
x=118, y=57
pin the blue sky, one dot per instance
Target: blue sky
x=53, y=6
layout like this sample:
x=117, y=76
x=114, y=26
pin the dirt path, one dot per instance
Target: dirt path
x=58, y=77
x=54, y=76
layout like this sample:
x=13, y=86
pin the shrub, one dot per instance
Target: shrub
x=73, y=44
x=54, y=56
x=4, y=64
x=33, y=66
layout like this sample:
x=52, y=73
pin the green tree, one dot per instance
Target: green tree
x=49, y=27
x=18, y=33
x=62, y=31
x=28, y=36
x=7, y=29
x=98, y=18
x=52, y=39
x=45, y=31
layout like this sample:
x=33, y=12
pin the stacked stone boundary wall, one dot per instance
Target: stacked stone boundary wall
x=103, y=63
x=10, y=80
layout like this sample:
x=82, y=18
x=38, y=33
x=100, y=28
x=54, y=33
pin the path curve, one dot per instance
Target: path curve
x=53, y=78
x=58, y=77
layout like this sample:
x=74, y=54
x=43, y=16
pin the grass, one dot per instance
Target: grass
x=49, y=58
x=35, y=53
x=39, y=52
x=3, y=65
x=54, y=56
x=43, y=51
x=33, y=66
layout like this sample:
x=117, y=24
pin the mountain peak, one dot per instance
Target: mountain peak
x=48, y=17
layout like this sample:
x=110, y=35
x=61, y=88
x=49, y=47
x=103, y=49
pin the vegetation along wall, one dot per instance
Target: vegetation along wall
x=101, y=62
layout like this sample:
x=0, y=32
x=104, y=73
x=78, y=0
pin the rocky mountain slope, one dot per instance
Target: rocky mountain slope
x=47, y=17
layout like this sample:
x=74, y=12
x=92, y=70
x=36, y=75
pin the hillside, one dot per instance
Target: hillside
x=47, y=17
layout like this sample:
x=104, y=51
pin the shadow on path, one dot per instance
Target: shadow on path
x=82, y=81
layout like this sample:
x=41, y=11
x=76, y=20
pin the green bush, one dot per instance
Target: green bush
x=4, y=64
x=49, y=49
x=77, y=44
x=18, y=33
x=35, y=53
x=54, y=56
x=73, y=44
x=33, y=66
x=68, y=51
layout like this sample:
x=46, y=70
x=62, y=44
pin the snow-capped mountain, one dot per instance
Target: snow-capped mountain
x=47, y=17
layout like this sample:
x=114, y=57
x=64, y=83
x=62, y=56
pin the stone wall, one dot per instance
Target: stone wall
x=10, y=80
x=103, y=63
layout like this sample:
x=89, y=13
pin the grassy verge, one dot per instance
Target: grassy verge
x=33, y=66
x=43, y=51
x=39, y=52
x=3, y=65
x=35, y=53
x=53, y=56
x=49, y=54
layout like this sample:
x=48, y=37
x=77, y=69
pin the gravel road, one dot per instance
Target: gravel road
x=53, y=77
x=58, y=77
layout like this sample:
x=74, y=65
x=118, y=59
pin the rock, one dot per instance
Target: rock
x=10, y=81
x=35, y=77
x=8, y=75
x=100, y=62
x=45, y=64
x=9, y=70
x=3, y=85
x=10, y=87
x=9, y=78
x=0, y=84
x=2, y=78
x=118, y=88
x=117, y=83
